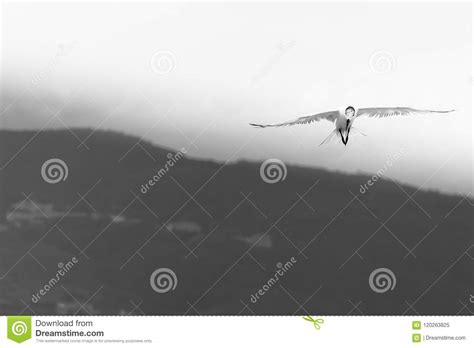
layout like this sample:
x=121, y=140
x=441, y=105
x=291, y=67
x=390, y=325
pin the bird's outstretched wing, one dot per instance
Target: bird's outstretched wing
x=395, y=111
x=330, y=116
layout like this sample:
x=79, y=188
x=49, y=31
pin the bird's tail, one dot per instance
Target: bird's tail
x=333, y=135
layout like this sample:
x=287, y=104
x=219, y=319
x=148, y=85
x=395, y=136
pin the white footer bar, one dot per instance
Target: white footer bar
x=235, y=331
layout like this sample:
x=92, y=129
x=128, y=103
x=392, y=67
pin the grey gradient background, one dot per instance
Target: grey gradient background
x=255, y=62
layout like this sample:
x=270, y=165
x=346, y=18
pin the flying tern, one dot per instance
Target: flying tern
x=343, y=122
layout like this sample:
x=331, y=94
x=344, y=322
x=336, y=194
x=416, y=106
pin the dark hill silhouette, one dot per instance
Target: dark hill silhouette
x=330, y=233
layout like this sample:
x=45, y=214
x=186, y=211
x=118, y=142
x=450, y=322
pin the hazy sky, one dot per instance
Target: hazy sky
x=213, y=68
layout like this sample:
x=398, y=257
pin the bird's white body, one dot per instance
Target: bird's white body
x=341, y=121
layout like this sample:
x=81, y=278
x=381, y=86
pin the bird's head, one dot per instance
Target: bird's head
x=350, y=111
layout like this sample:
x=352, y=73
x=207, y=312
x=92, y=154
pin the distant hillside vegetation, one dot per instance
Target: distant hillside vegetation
x=340, y=236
